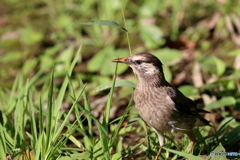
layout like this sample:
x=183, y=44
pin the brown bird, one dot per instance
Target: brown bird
x=163, y=107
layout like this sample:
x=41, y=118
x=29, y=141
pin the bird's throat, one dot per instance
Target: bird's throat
x=151, y=81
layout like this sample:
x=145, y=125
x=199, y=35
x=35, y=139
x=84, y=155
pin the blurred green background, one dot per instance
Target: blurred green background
x=197, y=41
x=36, y=35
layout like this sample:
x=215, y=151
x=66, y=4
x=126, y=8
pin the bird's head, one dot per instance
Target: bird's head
x=145, y=65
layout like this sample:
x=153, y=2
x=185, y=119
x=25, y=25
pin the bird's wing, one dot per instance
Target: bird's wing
x=182, y=103
x=185, y=105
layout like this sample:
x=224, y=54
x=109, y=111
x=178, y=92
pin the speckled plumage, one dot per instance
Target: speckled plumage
x=161, y=105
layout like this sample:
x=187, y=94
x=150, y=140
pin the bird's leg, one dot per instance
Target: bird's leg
x=161, y=142
x=191, y=147
x=193, y=140
x=159, y=153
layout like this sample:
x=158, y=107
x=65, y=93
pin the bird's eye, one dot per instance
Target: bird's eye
x=138, y=61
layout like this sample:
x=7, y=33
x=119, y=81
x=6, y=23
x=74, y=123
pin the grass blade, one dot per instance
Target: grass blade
x=105, y=23
x=118, y=83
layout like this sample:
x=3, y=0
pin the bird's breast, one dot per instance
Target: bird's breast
x=154, y=107
x=158, y=110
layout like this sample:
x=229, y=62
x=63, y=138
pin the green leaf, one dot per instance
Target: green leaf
x=102, y=61
x=232, y=136
x=67, y=158
x=149, y=8
x=29, y=65
x=125, y=91
x=100, y=79
x=11, y=56
x=217, y=68
x=30, y=35
x=65, y=59
x=167, y=73
x=46, y=62
x=99, y=59
x=84, y=155
x=64, y=21
x=231, y=85
x=75, y=141
x=167, y=55
x=189, y=91
x=151, y=35
x=105, y=23
x=118, y=83
x=66, y=55
x=225, y=101
x=228, y=121
x=220, y=66
x=186, y=155
x=234, y=52
x=217, y=150
x=117, y=156
x=53, y=50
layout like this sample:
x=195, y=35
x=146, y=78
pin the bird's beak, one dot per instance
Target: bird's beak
x=121, y=60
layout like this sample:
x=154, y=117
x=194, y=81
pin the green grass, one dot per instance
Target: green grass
x=37, y=128
x=43, y=69
x=46, y=132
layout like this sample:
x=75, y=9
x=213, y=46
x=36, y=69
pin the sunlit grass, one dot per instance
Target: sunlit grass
x=39, y=42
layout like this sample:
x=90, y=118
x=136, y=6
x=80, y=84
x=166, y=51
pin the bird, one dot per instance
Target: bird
x=161, y=105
